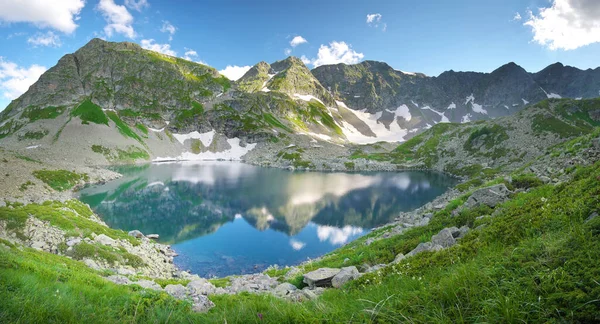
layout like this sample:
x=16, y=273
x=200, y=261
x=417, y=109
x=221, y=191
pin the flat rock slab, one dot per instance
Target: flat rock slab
x=490, y=196
x=320, y=277
x=346, y=274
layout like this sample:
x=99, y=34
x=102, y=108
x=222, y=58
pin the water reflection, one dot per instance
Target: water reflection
x=216, y=212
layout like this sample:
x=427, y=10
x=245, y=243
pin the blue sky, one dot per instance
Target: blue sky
x=420, y=36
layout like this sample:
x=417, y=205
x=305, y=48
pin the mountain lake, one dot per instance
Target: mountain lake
x=229, y=218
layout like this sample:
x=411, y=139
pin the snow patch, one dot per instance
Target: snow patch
x=407, y=73
x=553, y=96
x=205, y=138
x=33, y=146
x=478, y=108
x=452, y=106
x=525, y=102
x=401, y=111
x=156, y=130
x=155, y=183
x=264, y=86
x=307, y=97
x=466, y=118
x=470, y=98
x=235, y=153
x=505, y=106
x=414, y=103
x=382, y=134
x=444, y=118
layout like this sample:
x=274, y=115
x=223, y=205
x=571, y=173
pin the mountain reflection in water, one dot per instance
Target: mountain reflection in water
x=230, y=218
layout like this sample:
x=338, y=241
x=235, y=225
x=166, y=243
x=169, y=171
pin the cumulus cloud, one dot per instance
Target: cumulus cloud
x=287, y=51
x=337, y=236
x=297, y=245
x=167, y=27
x=234, y=72
x=15, y=80
x=517, y=17
x=567, y=24
x=150, y=44
x=305, y=60
x=192, y=55
x=297, y=41
x=336, y=52
x=137, y=5
x=59, y=15
x=373, y=18
x=117, y=17
x=45, y=39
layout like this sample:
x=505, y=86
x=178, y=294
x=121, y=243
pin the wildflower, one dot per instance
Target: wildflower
x=260, y=315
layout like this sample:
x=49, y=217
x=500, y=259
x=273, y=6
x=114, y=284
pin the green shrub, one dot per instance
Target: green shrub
x=88, y=112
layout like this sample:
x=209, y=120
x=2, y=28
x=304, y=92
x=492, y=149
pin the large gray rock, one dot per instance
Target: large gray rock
x=490, y=196
x=119, y=280
x=136, y=234
x=346, y=274
x=399, y=258
x=320, y=277
x=201, y=304
x=178, y=291
x=422, y=247
x=148, y=284
x=445, y=237
x=105, y=240
x=201, y=287
x=284, y=289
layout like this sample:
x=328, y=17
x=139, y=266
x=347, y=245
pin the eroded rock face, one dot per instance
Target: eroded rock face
x=201, y=287
x=320, y=277
x=490, y=196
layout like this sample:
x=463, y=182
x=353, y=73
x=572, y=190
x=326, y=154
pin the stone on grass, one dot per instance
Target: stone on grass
x=346, y=274
x=105, y=240
x=201, y=287
x=490, y=196
x=422, y=247
x=136, y=234
x=320, y=277
x=201, y=304
x=178, y=291
x=284, y=289
x=118, y=279
x=444, y=237
x=147, y=284
x=399, y=258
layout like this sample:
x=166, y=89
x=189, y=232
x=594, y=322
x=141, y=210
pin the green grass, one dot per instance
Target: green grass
x=60, y=180
x=89, y=112
x=186, y=116
x=551, y=124
x=124, y=128
x=26, y=185
x=220, y=282
x=72, y=216
x=26, y=158
x=349, y=165
x=317, y=109
x=113, y=256
x=142, y=128
x=35, y=113
x=34, y=135
x=486, y=136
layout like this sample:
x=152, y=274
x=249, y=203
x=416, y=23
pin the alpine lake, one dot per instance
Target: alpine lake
x=230, y=218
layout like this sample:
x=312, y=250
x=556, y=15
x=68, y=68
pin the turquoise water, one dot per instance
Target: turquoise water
x=227, y=218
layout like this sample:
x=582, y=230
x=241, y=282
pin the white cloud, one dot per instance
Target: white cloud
x=191, y=55
x=336, y=52
x=297, y=41
x=373, y=18
x=287, y=51
x=305, y=60
x=384, y=28
x=15, y=80
x=567, y=24
x=149, y=44
x=337, y=236
x=297, y=245
x=517, y=17
x=59, y=15
x=167, y=27
x=45, y=39
x=234, y=72
x=137, y=5
x=118, y=19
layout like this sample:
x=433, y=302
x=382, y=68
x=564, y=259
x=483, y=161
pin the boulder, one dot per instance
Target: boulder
x=73, y=242
x=490, y=196
x=201, y=304
x=399, y=258
x=462, y=231
x=346, y=274
x=148, y=284
x=201, y=287
x=284, y=289
x=136, y=234
x=376, y=267
x=445, y=237
x=118, y=279
x=178, y=291
x=105, y=240
x=320, y=277
x=422, y=247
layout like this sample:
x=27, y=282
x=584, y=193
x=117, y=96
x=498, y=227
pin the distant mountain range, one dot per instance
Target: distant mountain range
x=116, y=101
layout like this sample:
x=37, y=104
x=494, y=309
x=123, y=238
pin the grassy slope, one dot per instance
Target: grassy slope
x=535, y=261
